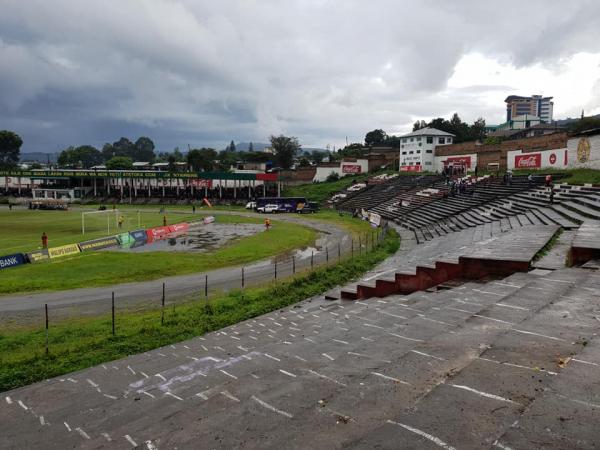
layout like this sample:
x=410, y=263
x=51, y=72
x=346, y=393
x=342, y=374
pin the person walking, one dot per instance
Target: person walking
x=267, y=224
x=551, y=195
x=44, y=240
x=193, y=209
x=530, y=179
x=164, y=221
x=548, y=180
x=121, y=221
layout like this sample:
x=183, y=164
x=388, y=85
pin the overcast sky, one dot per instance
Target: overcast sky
x=199, y=72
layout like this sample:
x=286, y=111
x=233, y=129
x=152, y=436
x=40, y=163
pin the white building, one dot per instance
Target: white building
x=417, y=149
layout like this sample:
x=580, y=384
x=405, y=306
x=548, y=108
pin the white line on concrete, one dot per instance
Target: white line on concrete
x=271, y=357
x=246, y=357
x=540, y=335
x=396, y=380
x=328, y=357
x=373, y=326
x=460, y=310
x=42, y=421
x=483, y=394
x=160, y=376
x=229, y=396
x=289, y=374
x=271, y=336
x=511, y=306
x=145, y=376
x=495, y=320
x=581, y=361
x=421, y=316
x=107, y=437
x=170, y=394
x=131, y=441
x=367, y=339
x=202, y=395
x=325, y=377
x=549, y=372
x=428, y=355
x=271, y=407
x=309, y=340
x=501, y=446
x=204, y=348
x=131, y=370
x=392, y=315
x=67, y=427
x=341, y=342
x=244, y=349
x=112, y=397
x=192, y=358
x=71, y=380
x=228, y=374
x=148, y=394
x=8, y=400
x=437, y=441
x=82, y=433
x=22, y=405
x=91, y=382
x=580, y=402
x=300, y=358
x=151, y=446
x=407, y=338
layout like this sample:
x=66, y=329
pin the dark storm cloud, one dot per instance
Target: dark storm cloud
x=205, y=72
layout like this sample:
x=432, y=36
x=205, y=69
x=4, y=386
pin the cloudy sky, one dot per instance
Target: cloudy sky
x=203, y=72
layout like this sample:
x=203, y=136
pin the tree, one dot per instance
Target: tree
x=119, y=163
x=585, y=123
x=375, y=137
x=419, y=124
x=317, y=156
x=250, y=147
x=203, y=159
x=285, y=149
x=143, y=150
x=10, y=149
x=333, y=176
x=122, y=147
x=231, y=146
x=82, y=157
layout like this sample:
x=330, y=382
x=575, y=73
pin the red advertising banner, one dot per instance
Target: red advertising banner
x=410, y=168
x=351, y=168
x=179, y=228
x=528, y=161
x=157, y=233
x=458, y=161
x=266, y=176
x=202, y=183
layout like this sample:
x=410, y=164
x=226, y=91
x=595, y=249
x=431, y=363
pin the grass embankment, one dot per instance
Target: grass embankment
x=319, y=192
x=571, y=176
x=77, y=344
x=103, y=268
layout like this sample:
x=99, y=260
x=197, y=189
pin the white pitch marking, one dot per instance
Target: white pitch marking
x=228, y=374
x=287, y=373
x=483, y=394
x=131, y=441
x=67, y=426
x=229, y=396
x=22, y=405
x=407, y=338
x=491, y=318
x=585, y=362
x=393, y=315
x=8, y=400
x=150, y=445
x=325, y=377
x=107, y=437
x=148, y=394
x=437, y=441
x=112, y=397
x=389, y=378
x=160, y=376
x=428, y=355
x=82, y=433
x=131, y=370
x=170, y=394
x=300, y=358
x=271, y=407
x=341, y=342
x=327, y=356
x=272, y=357
x=540, y=335
x=91, y=382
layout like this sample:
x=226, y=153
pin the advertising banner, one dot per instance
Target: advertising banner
x=157, y=233
x=126, y=241
x=97, y=244
x=202, y=183
x=528, y=161
x=410, y=168
x=351, y=168
x=375, y=219
x=38, y=256
x=139, y=236
x=15, y=259
x=179, y=228
x=458, y=161
x=63, y=250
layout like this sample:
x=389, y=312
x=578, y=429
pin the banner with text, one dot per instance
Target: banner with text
x=97, y=244
x=38, y=256
x=13, y=260
x=63, y=250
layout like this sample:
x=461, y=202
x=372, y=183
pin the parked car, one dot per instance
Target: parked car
x=308, y=208
x=250, y=205
x=270, y=208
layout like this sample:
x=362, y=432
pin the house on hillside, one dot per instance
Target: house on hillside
x=417, y=148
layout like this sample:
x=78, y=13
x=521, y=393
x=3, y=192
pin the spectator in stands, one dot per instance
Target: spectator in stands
x=548, y=180
x=44, y=240
x=551, y=195
x=530, y=179
x=505, y=179
x=510, y=175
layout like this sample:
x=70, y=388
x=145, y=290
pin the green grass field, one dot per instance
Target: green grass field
x=84, y=342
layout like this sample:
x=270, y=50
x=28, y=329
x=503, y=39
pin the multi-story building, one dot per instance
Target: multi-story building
x=417, y=148
x=536, y=105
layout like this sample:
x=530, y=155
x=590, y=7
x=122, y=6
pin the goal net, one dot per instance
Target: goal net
x=106, y=222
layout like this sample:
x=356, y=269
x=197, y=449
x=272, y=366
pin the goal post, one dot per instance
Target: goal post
x=91, y=215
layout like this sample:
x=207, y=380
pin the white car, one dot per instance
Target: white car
x=270, y=208
x=250, y=205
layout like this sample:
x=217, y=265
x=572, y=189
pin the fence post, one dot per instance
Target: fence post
x=339, y=252
x=206, y=287
x=46, y=307
x=275, y=269
x=162, y=311
x=327, y=254
x=352, y=248
x=312, y=259
x=113, y=313
x=243, y=278
x=359, y=246
x=293, y=265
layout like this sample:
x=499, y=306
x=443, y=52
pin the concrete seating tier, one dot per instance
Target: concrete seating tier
x=586, y=243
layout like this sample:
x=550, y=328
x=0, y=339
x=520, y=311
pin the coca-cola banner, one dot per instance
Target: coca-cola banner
x=410, y=168
x=528, y=161
x=351, y=168
x=458, y=161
